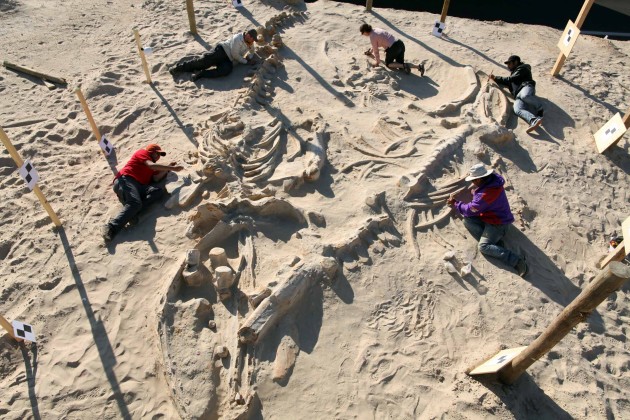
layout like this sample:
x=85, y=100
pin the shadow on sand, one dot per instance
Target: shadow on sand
x=101, y=340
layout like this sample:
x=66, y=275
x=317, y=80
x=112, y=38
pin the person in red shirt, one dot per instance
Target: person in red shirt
x=133, y=186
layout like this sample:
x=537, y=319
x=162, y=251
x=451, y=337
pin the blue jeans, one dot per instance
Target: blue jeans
x=134, y=196
x=526, y=102
x=488, y=236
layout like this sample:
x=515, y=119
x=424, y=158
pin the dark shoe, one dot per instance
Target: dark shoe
x=196, y=76
x=535, y=124
x=540, y=113
x=421, y=69
x=108, y=233
x=174, y=71
x=521, y=267
x=407, y=68
x=134, y=221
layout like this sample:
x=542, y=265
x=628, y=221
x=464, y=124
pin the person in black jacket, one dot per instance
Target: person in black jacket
x=523, y=88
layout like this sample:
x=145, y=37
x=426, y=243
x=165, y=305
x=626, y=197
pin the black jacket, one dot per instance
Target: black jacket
x=520, y=77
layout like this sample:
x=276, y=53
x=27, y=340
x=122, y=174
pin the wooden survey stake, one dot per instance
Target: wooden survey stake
x=606, y=282
x=88, y=114
x=145, y=66
x=610, y=133
x=45, y=77
x=8, y=327
x=578, y=24
x=368, y=5
x=190, y=8
x=497, y=362
x=19, y=162
x=568, y=38
x=620, y=252
x=444, y=11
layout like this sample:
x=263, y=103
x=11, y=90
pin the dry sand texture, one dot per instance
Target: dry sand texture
x=324, y=180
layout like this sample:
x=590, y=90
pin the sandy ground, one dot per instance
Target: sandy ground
x=392, y=334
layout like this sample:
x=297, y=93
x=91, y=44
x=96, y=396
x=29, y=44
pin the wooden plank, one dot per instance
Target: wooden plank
x=616, y=254
x=496, y=362
x=8, y=327
x=625, y=231
x=626, y=119
x=49, y=85
x=368, y=5
x=586, y=7
x=35, y=73
x=606, y=282
x=610, y=133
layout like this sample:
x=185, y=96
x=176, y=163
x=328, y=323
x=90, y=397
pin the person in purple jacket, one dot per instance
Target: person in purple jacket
x=488, y=216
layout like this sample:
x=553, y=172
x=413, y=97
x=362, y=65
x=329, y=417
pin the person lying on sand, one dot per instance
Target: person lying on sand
x=523, y=88
x=488, y=216
x=394, y=49
x=133, y=186
x=238, y=49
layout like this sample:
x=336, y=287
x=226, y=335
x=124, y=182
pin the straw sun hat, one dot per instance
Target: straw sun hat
x=478, y=171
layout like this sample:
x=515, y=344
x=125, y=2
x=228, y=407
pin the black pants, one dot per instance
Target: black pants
x=216, y=58
x=395, y=53
x=134, y=196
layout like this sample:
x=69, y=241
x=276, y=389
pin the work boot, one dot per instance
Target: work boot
x=535, y=124
x=108, y=233
x=521, y=267
x=174, y=71
x=407, y=68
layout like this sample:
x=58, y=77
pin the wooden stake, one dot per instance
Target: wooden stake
x=86, y=109
x=42, y=76
x=616, y=254
x=190, y=8
x=142, y=56
x=19, y=162
x=600, y=288
x=626, y=119
x=444, y=10
x=586, y=7
x=8, y=327
x=368, y=5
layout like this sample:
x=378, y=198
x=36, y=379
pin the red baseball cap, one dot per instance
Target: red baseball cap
x=155, y=148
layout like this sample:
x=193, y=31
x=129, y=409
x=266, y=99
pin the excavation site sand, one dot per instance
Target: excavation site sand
x=297, y=269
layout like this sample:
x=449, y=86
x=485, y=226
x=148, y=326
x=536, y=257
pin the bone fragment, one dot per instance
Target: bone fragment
x=284, y=297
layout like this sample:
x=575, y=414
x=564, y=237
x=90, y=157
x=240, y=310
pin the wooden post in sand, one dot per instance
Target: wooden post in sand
x=444, y=10
x=586, y=7
x=88, y=114
x=142, y=56
x=19, y=162
x=8, y=327
x=599, y=289
x=626, y=119
x=190, y=8
x=368, y=5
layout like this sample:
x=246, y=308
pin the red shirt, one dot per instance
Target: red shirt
x=137, y=168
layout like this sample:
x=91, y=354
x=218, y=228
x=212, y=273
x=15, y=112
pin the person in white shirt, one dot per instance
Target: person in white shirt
x=220, y=61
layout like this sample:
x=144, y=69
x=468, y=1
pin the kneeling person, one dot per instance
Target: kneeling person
x=133, y=186
x=488, y=216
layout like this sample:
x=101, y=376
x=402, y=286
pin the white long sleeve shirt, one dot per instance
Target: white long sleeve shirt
x=236, y=49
